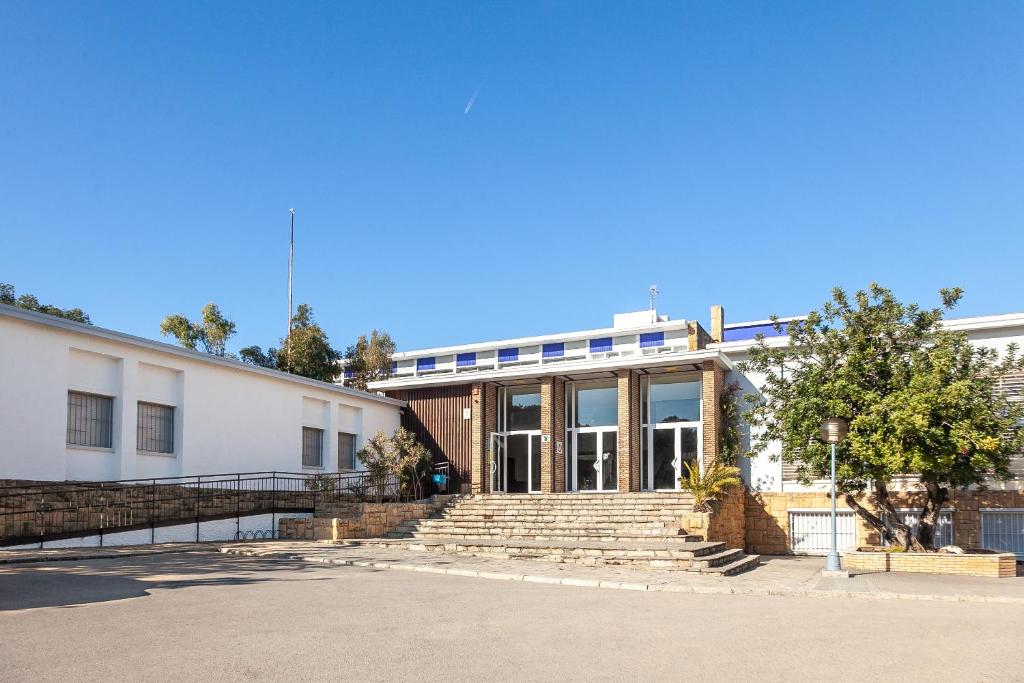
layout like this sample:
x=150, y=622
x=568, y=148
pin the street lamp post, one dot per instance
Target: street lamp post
x=833, y=430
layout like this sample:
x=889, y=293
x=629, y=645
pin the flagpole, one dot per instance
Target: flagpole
x=291, y=255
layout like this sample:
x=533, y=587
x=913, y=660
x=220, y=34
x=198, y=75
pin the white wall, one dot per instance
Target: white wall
x=227, y=418
x=765, y=474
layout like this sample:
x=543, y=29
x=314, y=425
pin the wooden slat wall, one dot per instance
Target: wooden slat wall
x=435, y=416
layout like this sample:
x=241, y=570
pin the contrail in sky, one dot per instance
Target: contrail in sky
x=472, y=101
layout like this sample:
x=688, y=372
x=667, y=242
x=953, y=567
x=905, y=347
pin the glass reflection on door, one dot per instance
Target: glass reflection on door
x=586, y=461
x=663, y=454
x=609, y=461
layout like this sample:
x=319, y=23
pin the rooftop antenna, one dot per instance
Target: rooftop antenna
x=291, y=254
x=654, y=292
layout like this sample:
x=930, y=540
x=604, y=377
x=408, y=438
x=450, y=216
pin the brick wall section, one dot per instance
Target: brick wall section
x=561, y=449
x=483, y=421
x=1002, y=565
x=628, y=389
x=712, y=383
x=547, y=425
x=767, y=515
x=552, y=424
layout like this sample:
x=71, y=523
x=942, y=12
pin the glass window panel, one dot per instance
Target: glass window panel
x=586, y=461
x=90, y=420
x=346, y=451
x=609, y=461
x=155, y=428
x=675, y=402
x=597, y=406
x=312, y=447
x=522, y=408
x=518, y=463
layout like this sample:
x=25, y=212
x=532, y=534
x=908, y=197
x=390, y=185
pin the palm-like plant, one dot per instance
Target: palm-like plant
x=710, y=484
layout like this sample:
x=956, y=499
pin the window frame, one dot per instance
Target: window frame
x=355, y=448
x=139, y=427
x=320, y=447
x=109, y=446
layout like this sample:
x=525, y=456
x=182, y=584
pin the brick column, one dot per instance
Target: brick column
x=552, y=425
x=711, y=386
x=628, y=383
x=483, y=421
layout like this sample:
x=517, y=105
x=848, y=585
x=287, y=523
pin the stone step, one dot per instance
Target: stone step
x=559, y=535
x=519, y=525
x=657, y=555
x=741, y=565
x=561, y=519
x=717, y=560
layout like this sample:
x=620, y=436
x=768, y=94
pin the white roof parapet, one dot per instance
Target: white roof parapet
x=567, y=368
x=162, y=347
x=540, y=339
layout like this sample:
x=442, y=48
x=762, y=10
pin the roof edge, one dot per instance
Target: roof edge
x=48, y=320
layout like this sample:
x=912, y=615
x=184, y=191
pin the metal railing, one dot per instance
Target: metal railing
x=48, y=511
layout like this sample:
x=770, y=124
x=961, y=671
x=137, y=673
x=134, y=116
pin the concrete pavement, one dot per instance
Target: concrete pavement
x=206, y=616
x=777, y=576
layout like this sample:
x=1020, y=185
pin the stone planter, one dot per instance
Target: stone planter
x=972, y=563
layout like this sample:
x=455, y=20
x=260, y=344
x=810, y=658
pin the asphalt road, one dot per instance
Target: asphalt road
x=201, y=616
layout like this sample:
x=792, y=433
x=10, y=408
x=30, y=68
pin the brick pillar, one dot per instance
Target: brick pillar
x=552, y=425
x=712, y=384
x=629, y=430
x=717, y=323
x=483, y=421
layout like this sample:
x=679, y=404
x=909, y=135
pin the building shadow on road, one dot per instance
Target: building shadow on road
x=65, y=584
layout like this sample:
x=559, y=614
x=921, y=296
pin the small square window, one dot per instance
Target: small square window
x=346, y=451
x=90, y=420
x=312, y=447
x=155, y=428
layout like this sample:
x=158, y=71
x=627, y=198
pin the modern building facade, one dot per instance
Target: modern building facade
x=628, y=408
x=79, y=402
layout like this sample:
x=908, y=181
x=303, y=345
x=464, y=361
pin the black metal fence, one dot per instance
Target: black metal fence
x=48, y=511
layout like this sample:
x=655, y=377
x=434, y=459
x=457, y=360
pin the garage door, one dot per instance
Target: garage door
x=1003, y=530
x=810, y=531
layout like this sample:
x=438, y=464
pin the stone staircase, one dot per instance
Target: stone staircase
x=623, y=529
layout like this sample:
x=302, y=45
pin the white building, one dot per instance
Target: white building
x=79, y=402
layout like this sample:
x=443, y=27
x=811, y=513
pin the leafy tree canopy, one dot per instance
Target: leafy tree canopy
x=310, y=353
x=210, y=334
x=31, y=303
x=919, y=400
x=369, y=360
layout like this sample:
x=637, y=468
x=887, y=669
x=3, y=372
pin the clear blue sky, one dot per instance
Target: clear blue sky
x=751, y=155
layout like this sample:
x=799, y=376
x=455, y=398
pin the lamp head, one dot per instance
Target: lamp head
x=833, y=430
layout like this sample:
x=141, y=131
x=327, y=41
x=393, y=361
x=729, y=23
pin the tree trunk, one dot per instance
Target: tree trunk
x=937, y=496
x=887, y=523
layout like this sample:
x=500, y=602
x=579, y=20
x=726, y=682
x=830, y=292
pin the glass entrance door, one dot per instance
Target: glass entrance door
x=496, y=463
x=515, y=462
x=669, y=449
x=595, y=460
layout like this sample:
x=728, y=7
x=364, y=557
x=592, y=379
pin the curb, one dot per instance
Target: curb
x=620, y=585
x=78, y=557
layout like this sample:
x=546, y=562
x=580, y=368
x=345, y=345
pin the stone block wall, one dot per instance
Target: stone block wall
x=767, y=515
x=996, y=565
x=362, y=520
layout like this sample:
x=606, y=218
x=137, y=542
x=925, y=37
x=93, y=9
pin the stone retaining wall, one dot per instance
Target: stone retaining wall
x=360, y=520
x=767, y=515
x=997, y=565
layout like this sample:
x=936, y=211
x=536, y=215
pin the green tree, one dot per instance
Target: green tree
x=369, y=360
x=919, y=400
x=398, y=459
x=310, y=353
x=209, y=334
x=254, y=355
x=31, y=303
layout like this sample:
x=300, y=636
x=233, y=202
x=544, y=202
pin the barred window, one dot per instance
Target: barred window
x=346, y=451
x=90, y=420
x=155, y=428
x=312, y=447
